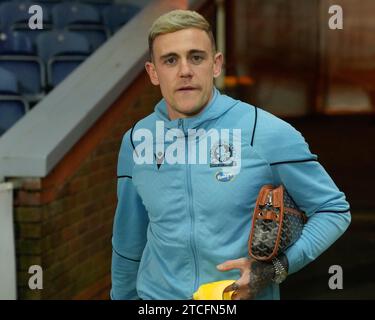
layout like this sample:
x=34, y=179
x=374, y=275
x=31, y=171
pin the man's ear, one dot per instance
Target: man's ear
x=150, y=68
x=218, y=64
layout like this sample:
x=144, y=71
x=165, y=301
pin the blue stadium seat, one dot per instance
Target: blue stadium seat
x=59, y=42
x=81, y=18
x=96, y=35
x=49, y=4
x=98, y=4
x=12, y=108
x=62, y=51
x=68, y=13
x=15, y=16
x=15, y=43
x=12, y=105
x=116, y=15
x=8, y=82
x=12, y=12
x=18, y=57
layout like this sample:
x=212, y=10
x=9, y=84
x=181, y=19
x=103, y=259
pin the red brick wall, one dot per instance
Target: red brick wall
x=63, y=222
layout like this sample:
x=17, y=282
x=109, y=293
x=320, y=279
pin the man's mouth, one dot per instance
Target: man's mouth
x=187, y=89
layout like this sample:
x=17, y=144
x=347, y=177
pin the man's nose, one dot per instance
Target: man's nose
x=185, y=69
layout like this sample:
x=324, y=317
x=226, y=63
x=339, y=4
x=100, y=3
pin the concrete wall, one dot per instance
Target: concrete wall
x=7, y=248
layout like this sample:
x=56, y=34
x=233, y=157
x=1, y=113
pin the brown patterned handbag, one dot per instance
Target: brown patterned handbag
x=277, y=223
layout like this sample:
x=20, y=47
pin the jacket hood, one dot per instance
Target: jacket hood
x=218, y=105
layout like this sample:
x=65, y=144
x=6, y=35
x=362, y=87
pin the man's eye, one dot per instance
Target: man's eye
x=196, y=58
x=170, y=60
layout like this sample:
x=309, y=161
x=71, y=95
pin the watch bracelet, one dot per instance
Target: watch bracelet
x=278, y=268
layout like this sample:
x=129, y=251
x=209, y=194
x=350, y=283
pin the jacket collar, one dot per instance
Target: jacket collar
x=218, y=105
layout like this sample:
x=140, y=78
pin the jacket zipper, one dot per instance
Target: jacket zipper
x=191, y=211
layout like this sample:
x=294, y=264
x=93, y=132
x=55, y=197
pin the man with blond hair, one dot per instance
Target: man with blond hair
x=189, y=175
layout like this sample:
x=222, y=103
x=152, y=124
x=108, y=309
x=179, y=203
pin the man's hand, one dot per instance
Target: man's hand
x=255, y=277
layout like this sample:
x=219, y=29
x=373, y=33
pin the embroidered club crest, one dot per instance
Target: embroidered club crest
x=222, y=155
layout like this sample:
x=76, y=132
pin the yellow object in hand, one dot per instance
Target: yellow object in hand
x=214, y=291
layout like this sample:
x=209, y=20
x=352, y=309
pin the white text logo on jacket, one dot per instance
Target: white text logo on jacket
x=218, y=148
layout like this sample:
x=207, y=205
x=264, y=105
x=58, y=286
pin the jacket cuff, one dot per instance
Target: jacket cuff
x=295, y=258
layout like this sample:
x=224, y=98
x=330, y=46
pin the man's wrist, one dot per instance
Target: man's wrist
x=284, y=261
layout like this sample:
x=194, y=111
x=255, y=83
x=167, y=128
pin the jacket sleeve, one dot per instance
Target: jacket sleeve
x=313, y=190
x=129, y=228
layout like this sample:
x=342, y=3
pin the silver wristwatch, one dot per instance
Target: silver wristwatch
x=280, y=272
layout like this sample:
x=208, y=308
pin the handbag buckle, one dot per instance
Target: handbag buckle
x=269, y=199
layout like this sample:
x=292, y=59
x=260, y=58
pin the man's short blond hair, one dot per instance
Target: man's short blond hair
x=177, y=20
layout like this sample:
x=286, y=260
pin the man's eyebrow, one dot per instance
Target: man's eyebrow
x=197, y=51
x=167, y=55
x=173, y=54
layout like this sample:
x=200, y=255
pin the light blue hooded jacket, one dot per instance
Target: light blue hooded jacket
x=175, y=222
